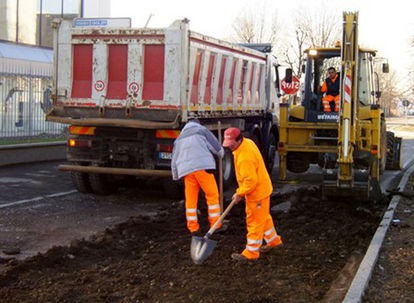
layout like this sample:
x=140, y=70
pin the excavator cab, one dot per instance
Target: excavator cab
x=317, y=65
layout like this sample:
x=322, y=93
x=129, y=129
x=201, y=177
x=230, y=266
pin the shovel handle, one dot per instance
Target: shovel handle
x=220, y=220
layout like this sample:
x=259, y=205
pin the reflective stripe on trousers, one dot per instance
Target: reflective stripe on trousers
x=259, y=225
x=327, y=100
x=193, y=182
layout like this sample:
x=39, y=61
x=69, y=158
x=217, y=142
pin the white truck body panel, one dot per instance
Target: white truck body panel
x=188, y=72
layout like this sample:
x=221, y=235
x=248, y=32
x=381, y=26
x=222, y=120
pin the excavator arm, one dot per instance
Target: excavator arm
x=349, y=100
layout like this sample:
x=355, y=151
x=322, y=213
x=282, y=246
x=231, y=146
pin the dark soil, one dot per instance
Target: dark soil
x=393, y=278
x=147, y=260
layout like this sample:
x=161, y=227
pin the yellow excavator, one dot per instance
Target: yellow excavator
x=348, y=140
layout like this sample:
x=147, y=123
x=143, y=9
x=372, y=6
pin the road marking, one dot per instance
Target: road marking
x=38, y=198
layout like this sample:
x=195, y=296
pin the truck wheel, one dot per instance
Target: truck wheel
x=81, y=182
x=383, y=148
x=390, y=150
x=254, y=136
x=270, y=153
x=228, y=169
x=102, y=184
x=393, y=155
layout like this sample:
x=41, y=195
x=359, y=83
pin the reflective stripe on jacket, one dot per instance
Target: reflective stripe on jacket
x=251, y=173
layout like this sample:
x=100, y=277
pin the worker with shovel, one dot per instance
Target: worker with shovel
x=255, y=186
x=192, y=159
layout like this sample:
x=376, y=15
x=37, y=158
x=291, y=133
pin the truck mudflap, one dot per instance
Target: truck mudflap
x=116, y=171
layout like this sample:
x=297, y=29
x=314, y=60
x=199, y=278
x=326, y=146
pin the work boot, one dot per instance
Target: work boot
x=242, y=259
x=267, y=248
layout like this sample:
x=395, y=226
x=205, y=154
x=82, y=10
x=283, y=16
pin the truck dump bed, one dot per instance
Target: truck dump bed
x=151, y=78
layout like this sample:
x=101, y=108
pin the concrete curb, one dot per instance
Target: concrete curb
x=366, y=268
x=32, y=152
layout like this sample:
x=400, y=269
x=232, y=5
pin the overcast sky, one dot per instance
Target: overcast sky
x=387, y=26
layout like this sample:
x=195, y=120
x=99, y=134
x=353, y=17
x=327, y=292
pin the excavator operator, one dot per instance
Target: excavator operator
x=331, y=87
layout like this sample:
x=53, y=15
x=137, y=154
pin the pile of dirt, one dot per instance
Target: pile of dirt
x=148, y=260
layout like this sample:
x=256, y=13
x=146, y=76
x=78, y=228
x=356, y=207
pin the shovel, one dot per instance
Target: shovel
x=202, y=247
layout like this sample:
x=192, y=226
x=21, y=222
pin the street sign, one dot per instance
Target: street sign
x=290, y=88
x=102, y=22
x=406, y=103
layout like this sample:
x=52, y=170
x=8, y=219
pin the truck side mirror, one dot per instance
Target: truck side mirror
x=288, y=75
x=385, y=68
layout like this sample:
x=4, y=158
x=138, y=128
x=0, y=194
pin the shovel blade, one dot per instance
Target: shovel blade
x=201, y=249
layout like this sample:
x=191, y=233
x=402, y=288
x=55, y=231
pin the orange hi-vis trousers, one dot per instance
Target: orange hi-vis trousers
x=259, y=225
x=327, y=100
x=208, y=184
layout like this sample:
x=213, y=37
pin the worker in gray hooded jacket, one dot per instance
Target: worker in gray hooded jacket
x=191, y=159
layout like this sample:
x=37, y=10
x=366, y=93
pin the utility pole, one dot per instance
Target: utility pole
x=17, y=21
x=81, y=9
x=40, y=22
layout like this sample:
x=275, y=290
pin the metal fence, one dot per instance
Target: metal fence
x=25, y=91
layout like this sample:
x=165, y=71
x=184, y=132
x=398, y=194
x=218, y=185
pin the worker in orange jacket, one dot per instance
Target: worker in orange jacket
x=331, y=87
x=255, y=186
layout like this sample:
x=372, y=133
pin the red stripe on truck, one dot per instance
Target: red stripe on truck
x=82, y=71
x=207, y=93
x=249, y=91
x=219, y=99
x=257, y=92
x=117, y=71
x=231, y=86
x=153, y=87
x=240, y=92
x=196, y=78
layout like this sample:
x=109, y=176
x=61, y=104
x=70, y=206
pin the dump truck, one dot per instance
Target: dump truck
x=350, y=143
x=126, y=93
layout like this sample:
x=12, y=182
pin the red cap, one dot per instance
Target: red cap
x=230, y=136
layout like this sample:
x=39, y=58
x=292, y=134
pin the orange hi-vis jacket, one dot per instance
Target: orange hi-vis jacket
x=324, y=88
x=251, y=173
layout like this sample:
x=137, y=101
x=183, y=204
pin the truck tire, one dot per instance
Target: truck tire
x=390, y=150
x=101, y=184
x=256, y=139
x=383, y=148
x=228, y=169
x=393, y=155
x=270, y=152
x=81, y=182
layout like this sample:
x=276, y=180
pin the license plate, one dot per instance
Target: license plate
x=165, y=156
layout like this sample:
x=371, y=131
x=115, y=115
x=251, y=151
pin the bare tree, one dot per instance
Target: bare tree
x=256, y=27
x=390, y=93
x=292, y=53
x=322, y=28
